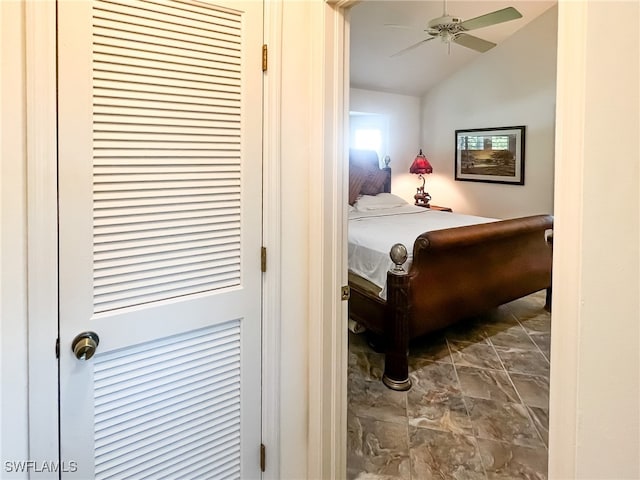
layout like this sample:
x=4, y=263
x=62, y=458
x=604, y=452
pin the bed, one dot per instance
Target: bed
x=455, y=266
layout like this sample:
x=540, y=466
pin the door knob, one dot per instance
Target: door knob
x=84, y=345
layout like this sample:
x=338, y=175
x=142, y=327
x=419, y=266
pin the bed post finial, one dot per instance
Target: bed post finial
x=396, y=364
x=399, y=255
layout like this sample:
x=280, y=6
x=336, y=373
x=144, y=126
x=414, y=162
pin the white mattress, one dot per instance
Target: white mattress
x=373, y=233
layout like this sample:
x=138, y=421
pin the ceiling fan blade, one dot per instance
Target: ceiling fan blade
x=498, y=16
x=415, y=45
x=397, y=25
x=474, y=43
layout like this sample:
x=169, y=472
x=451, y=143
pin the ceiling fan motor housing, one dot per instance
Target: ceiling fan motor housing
x=446, y=23
x=443, y=22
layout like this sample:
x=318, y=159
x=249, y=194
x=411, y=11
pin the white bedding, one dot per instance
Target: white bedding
x=373, y=233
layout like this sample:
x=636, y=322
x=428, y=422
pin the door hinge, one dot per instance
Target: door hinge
x=263, y=457
x=57, y=348
x=264, y=57
x=346, y=292
x=263, y=259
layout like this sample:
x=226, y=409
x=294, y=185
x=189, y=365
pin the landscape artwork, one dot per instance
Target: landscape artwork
x=494, y=155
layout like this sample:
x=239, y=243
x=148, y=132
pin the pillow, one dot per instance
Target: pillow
x=379, y=202
x=374, y=183
x=357, y=177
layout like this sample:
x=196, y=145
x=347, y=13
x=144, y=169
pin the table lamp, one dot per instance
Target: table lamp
x=421, y=166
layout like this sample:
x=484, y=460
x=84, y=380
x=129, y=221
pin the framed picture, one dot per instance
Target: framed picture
x=494, y=155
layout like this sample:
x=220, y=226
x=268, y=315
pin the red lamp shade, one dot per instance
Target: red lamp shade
x=421, y=165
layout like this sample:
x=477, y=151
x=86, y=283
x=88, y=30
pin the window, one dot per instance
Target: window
x=368, y=139
x=370, y=131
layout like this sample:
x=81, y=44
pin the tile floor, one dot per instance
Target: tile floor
x=478, y=408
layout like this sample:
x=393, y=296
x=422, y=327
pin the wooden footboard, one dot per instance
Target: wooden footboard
x=456, y=273
x=460, y=272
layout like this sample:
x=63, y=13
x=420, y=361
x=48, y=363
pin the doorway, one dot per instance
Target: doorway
x=437, y=113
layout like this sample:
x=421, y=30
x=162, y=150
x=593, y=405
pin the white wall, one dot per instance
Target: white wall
x=512, y=84
x=595, y=349
x=403, y=112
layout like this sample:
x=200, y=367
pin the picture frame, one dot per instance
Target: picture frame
x=491, y=155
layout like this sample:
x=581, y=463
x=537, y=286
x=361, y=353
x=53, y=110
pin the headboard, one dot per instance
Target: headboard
x=365, y=175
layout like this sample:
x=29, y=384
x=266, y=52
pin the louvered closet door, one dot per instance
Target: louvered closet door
x=160, y=158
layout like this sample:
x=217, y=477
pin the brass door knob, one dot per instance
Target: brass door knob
x=85, y=345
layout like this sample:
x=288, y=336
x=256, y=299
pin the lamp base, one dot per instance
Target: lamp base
x=422, y=198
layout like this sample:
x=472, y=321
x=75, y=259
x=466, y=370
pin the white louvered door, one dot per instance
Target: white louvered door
x=160, y=158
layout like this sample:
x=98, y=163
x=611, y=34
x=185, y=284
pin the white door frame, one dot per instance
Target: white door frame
x=572, y=45
x=42, y=229
x=271, y=231
x=328, y=352
x=323, y=82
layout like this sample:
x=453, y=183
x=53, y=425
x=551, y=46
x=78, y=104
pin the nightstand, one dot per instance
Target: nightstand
x=441, y=209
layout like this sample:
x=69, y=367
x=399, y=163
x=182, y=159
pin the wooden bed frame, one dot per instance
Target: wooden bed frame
x=455, y=274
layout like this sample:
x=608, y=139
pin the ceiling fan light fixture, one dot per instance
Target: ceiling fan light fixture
x=446, y=36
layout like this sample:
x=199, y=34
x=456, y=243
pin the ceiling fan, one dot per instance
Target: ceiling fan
x=453, y=29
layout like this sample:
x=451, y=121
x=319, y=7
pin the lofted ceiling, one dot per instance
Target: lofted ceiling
x=381, y=28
